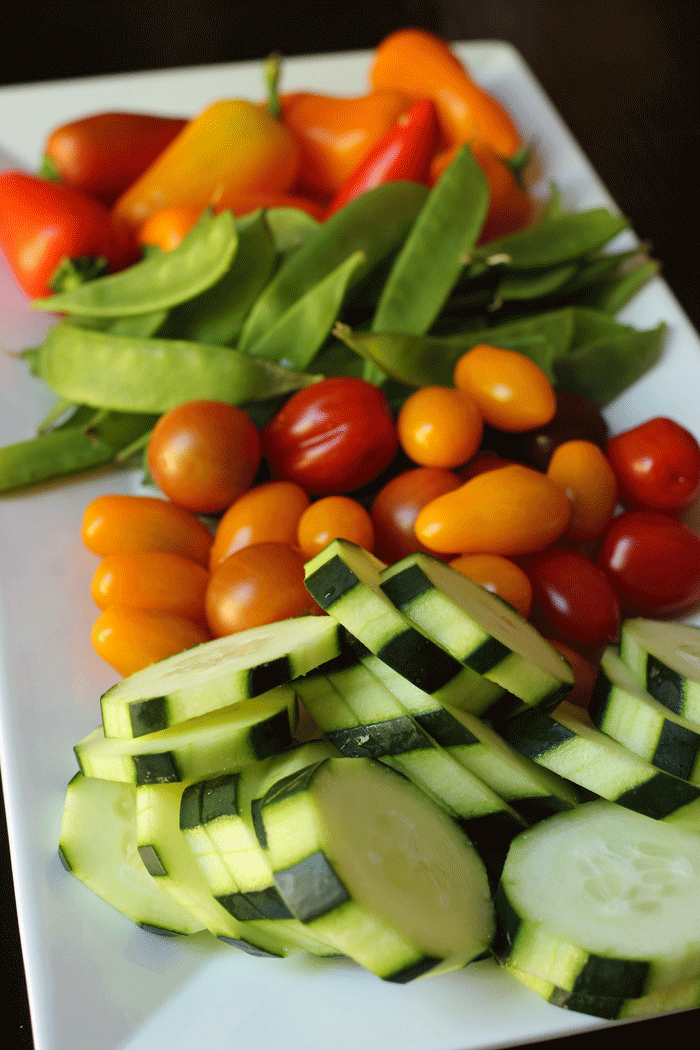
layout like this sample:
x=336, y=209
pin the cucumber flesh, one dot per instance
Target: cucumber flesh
x=618, y=913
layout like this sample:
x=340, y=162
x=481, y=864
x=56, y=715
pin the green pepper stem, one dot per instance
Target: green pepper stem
x=273, y=69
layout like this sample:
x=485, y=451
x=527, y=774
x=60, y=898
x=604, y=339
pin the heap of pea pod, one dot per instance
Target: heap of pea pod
x=394, y=287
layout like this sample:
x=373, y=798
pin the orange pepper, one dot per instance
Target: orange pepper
x=416, y=61
x=335, y=133
x=509, y=204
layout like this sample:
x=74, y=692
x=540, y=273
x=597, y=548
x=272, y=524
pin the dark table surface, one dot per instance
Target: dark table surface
x=624, y=75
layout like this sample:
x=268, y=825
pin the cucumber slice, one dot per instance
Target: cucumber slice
x=98, y=845
x=624, y=710
x=344, y=579
x=569, y=744
x=665, y=657
x=221, y=741
x=618, y=913
x=216, y=674
x=363, y=857
x=479, y=629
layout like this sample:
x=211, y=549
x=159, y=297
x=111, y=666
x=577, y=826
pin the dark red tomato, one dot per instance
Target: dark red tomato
x=397, y=505
x=657, y=465
x=653, y=562
x=576, y=419
x=572, y=600
x=331, y=437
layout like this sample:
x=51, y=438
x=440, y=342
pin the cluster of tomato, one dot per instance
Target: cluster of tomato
x=114, y=182
x=514, y=485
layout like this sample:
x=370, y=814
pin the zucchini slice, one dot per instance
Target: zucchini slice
x=569, y=744
x=624, y=710
x=344, y=580
x=97, y=844
x=375, y=868
x=223, y=740
x=479, y=629
x=665, y=657
x=618, y=913
x=217, y=674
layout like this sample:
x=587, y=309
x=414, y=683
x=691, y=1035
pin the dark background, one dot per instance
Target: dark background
x=624, y=75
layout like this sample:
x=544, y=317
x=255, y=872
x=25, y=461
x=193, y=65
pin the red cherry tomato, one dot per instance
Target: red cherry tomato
x=331, y=437
x=657, y=465
x=653, y=562
x=572, y=600
x=204, y=454
x=397, y=505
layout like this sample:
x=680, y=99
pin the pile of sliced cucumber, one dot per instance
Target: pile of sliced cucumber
x=444, y=802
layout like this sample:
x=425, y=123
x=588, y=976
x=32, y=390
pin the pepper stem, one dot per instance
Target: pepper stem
x=273, y=69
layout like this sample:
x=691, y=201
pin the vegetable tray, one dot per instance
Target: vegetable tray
x=88, y=969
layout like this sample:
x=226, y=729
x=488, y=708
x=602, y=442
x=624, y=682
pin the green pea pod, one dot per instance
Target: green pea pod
x=158, y=281
x=296, y=337
x=143, y=325
x=375, y=223
x=290, y=227
x=217, y=314
x=534, y=284
x=436, y=250
x=153, y=375
x=603, y=368
x=616, y=292
x=420, y=360
x=551, y=242
x=69, y=449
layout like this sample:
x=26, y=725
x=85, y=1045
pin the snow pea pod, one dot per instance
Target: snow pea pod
x=376, y=223
x=69, y=449
x=603, y=368
x=158, y=281
x=153, y=375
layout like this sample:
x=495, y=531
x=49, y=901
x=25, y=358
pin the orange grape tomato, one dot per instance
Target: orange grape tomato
x=129, y=639
x=204, y=454
x=122, y=524
x=510, y=511
x=156, y=580
x=165, y=229
x=585, y=673
x=334, y=517
x=513, y=393
x=397, y=505
x=499, y=575
x=438, y=426
x=259, y=584
x=585, y=474
x=267, y=513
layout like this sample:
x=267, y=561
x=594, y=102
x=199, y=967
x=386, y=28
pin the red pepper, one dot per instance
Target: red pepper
x=102, y=154
x=42, y=224
x=404, y=152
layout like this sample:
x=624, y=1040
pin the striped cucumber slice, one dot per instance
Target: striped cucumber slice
x=684, y=995
x=618, y=913
x=373, y=866
x=217, y=674
x=224, y=740
x=665, y=657
x=569, y=744
x=479, y=629
x=98, y=845
x=344, y=579
x=623, y=709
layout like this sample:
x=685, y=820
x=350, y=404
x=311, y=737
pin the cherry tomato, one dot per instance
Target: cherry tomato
x=499, y=575
x=585, y=474
x=572, y=600
x=204, y=454
x=156, y=580
x=512, y=510
x=397, y=505
x=331, y=437
x=334, y=517
x=512, y=391
x=657, y=465
x=438, y=426
x=267, y=513
x=585, y=673
x=129, y=639
x=121, y=524
x=653, y=562
x=260, y=584
x=576, y=418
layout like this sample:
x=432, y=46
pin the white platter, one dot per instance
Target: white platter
x=94, y=979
